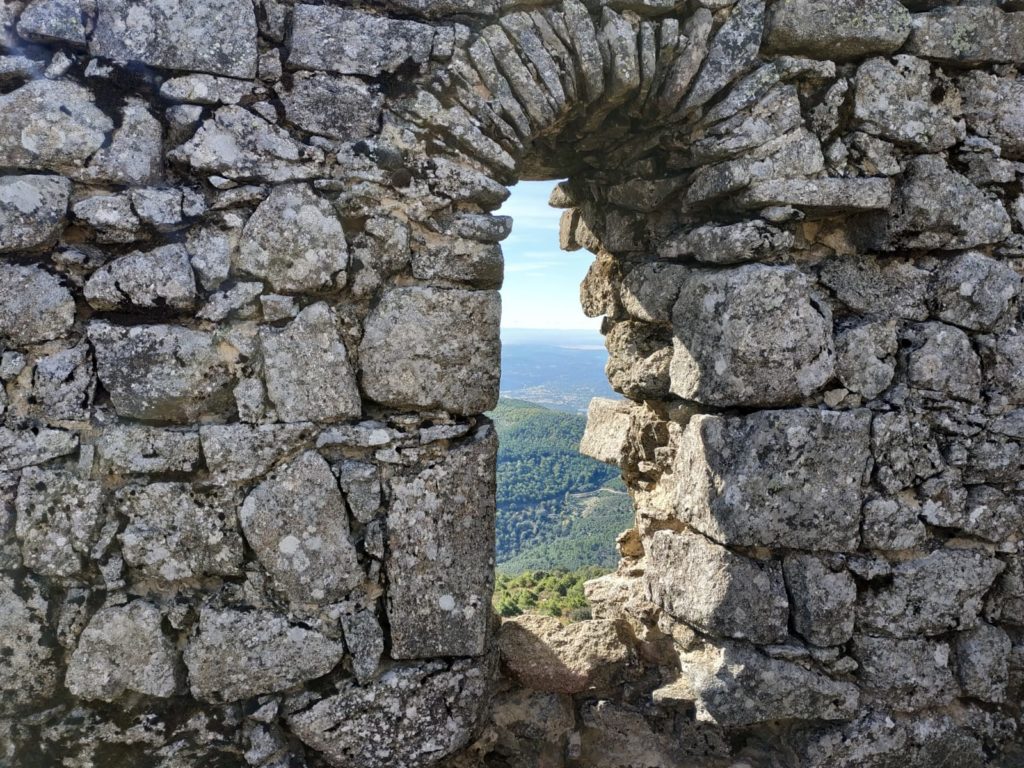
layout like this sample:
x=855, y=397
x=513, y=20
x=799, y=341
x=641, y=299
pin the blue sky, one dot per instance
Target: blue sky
x=542, y=283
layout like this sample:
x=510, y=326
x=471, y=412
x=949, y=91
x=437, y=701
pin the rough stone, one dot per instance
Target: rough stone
x=123, y=649
x=729, y=244
x=29, y=674
x=822, y=197
x=237, y=453
x=989, y=105
x=339, y=107
x=307, y=369
x=134, y=154
x=24, y=448
x=639, y=360
x=217, y=38
x=440, y=553
x=967, y=35
x=132, y=450
x=364, y=639
x=893, y=287
x=753, y=481
x=433, y=348
x=162, y=372
x=942, y=360
x=716, y=591
x=649, y=291
x=822, y=599
x=982, y=660
x=32, y=211
x=360, y=483
x=34, y=305
x=240, y=654
x=606, y=435
x=753, y=335
x=733, y=51
x=53, y=20
x=905, y=674
x=975, y=292
x=64, y=385
x=836, y=30
x=296, y=523
x=144, y=280
x=866, y=357
x=111, y=217
x=1002, y=357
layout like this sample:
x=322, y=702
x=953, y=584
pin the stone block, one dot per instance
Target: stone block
x=822, y=600
x=32, y=211
x=975, y=292
x=607, y=434
x=34, y=305
x=967, y=35
x=840, y=29
x=906, y=675
x=982, y=661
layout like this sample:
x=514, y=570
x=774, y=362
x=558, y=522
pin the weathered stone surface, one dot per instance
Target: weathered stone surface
x=752, y=335
x=239, y=654
x=735, y=685
x=543, y=654
x=607, y=434
x=981, y=658
x=123, y=649
x=836, y=30
x=144, y=280
x=29, y=673
x=307, y=370
x=866, y=357
x=975, y=292
x=381, y=725
x=930, y=595
x=894, y=287
x=967, y=35
x=990, y=107
x=162, y=372
x=639, y=360
x=716, y=591
x=134, y=154
x=52, y=125
x=236, y=453
x=733, y=51
x=148, y=450
x=892, y=524
x=364, y=639
x=440, y=553
x=729, y=244
x=649, y=291
x=822, y=599
x=64, y=384
x=905, y=674
x=896, y=101
x=296, y=523
x=942, y=360
x=352, y=42
x=819, y=197
x=23, y=448
x=792, y=478
x=218, y=38
x=295, y=242
x=339, y=107
x=32, y=211
x=34, y=305
x=937, y=208
x=59, y=519
x=360, y=483
x=175, y=532
x=111, y=217
x=433, y=348
x=52, y=20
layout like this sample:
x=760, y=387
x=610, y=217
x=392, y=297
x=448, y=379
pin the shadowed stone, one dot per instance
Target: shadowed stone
x=836, y=29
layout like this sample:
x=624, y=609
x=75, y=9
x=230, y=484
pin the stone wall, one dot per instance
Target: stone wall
x=249, y=322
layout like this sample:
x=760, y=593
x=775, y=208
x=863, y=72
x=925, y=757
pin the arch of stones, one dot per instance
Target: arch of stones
x=249, y=324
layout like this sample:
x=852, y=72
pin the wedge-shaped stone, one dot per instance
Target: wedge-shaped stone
x=123, y=649
x=236, y=655
x=735, y=685
x=930, y=595
x=607, y=435
x=750, y=336
x=823, y=598
x=296, y=523
x=792, y=478
x=24, y=448
x=733, y=51
x=440, y=561
x=716, y=591
x=32, y=211
x=836, y=29
x=307, y=369
x=428, y=348
x=162, y=372
x=53, y=21
x=217, y=37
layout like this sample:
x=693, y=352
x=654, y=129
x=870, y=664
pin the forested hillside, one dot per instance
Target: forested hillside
x=556, y=508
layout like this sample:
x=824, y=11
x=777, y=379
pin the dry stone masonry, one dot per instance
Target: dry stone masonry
x=249, y=326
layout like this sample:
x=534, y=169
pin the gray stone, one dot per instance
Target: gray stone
x=729, y=244
x=733, y=51
x=735, y=685
x=59, y=520
x=144, y=280
x=937, y=208
x=1002, y=358
x=989, y=105
x=211, y=251
x=382, y=724
x=343, y=108
x=64, y=384
x=53, y=20
x=930, y=595
x=440, y=553
x=162, y=372
x=28, y=676
x=34, y=305
x=32, y=211
x=176, y=532
x=134, y=154
x=639, y=360
x=823, y=598
x=52, y=125
x=123, y=649
x=606, y=437
x=295, y=522
x=479, y=265
x=942, y=360
x=967, y=35
x=819, y=197
x=364, y=639
x=111, y=217
x=214, y=37
x=206, y=89
x=866, y=357
x=160, y=208
x=753, y=335
x=238, y=453
x=836, y=30
x=975, y=292
x=430, y=348
x=239, y=299
x=896, y=100
x=893, y=524
x=649, y=291
x=135, y=450
x=24, y=448
x=906, y=675
x=295, y=242
x=773, y=114
x=904, y=450
x=360, y=483
x=716, y=591
x=353, y=42
x=868, y=284
x=792, y=478
x=236, y=655
x=307, y=370
x=982, y=657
